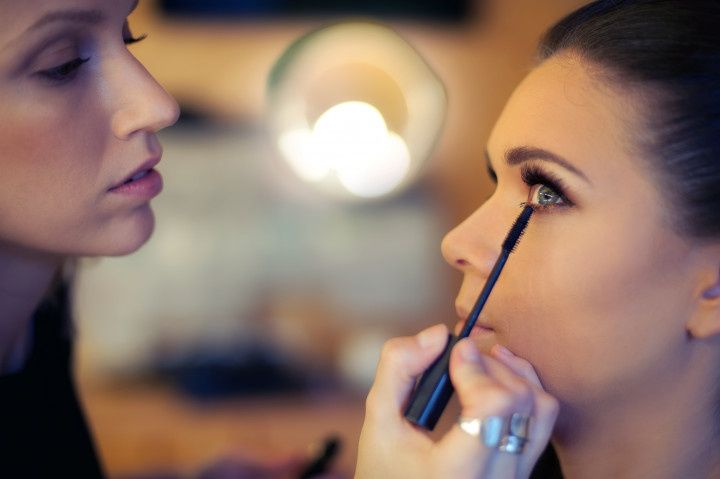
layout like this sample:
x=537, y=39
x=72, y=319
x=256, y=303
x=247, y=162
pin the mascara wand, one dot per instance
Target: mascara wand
x=434, y=389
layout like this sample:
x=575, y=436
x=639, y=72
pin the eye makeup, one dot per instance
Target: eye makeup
x=64, y=72
x=545, y=184
x=533, y=175
x=67, y=71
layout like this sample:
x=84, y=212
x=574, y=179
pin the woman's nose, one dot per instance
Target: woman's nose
x=474, y=245
x=141, y=104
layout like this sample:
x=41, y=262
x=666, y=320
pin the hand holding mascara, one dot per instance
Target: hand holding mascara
x=434, y=389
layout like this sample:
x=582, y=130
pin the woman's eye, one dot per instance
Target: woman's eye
x=543, y=195
x=64, y=72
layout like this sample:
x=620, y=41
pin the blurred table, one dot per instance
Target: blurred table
x=141, y=427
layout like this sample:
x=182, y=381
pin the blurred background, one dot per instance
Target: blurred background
x=254, y=317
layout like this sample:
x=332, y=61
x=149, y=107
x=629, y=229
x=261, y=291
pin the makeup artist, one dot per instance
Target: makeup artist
x=78, y=149
x=602, y=336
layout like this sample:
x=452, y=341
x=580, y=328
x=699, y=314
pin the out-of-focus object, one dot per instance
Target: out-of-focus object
x=355, y=110
x=425, y=10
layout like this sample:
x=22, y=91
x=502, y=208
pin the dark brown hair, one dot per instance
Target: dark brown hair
x=671, y=47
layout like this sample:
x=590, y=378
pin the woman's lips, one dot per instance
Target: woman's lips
x=477, y=330
x=145, y=184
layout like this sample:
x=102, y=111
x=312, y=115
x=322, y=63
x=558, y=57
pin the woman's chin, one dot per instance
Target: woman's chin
x=126, y=236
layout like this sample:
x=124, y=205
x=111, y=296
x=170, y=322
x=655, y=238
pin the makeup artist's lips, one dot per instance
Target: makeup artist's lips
x=144, y=182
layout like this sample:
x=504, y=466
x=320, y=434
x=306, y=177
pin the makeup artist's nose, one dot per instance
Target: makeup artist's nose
x=140, y=103
x=474, y=245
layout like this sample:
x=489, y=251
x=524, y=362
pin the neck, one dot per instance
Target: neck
x=668, y=432
x=24, y=279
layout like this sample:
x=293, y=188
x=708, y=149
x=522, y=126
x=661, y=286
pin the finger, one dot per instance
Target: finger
x=481, y=395
x=546, y=407
x=401, y=362
x=486, y=386
x=520, y=366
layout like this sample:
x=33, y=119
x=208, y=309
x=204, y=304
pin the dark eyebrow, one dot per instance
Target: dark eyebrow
x=518, y=155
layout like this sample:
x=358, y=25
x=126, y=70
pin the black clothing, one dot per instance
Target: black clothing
x=548, y=466
x=43, y=433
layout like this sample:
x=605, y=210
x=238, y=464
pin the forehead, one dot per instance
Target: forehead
x=566, y=106
x=17, y=16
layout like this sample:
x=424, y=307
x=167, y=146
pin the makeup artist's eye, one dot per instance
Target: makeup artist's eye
x=63, y=73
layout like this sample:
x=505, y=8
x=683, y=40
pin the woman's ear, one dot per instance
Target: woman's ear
x=705, y=322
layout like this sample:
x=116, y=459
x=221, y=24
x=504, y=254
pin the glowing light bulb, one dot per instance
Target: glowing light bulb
x=350, y=140
x=355, y=109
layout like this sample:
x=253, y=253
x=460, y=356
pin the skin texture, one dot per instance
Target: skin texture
x=615, y=310
x=74, y=140
x=63, y=146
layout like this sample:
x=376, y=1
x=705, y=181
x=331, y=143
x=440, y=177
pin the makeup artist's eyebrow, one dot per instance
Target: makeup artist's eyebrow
x=522, y=154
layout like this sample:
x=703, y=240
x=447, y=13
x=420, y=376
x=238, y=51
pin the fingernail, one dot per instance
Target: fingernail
x=432, y=336
x=470, y=352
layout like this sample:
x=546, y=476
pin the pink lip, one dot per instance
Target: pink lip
x=479, y=328
x=146, y=187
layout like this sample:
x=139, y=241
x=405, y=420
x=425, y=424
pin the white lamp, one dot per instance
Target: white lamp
x=355, y=110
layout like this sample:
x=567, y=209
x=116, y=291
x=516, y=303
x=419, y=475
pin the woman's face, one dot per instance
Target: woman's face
x=78, y=117
x=597, y=293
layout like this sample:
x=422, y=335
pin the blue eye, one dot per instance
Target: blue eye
x=546, y=191
x=543, y=195
x=65, y=72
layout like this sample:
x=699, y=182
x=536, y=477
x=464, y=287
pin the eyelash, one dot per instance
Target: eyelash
x=67, y=71
x=130, y=40
x=533, y=176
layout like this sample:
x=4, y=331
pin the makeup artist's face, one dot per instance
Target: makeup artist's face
x=78, y=117
x=598, y=291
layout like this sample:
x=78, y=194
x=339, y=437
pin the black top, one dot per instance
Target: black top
x=43, y=433
x=548, y=465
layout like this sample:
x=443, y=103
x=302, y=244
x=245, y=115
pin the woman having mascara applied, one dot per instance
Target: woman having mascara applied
x=598, y=353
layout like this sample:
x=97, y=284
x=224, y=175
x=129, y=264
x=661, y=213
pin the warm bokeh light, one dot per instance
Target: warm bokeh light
x=355, y=109
x=350, y=140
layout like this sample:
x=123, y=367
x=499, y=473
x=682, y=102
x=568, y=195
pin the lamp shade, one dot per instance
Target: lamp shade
x=355, y=110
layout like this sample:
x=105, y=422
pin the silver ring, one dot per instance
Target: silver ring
x=507, y=434
x=517, y=434
x=519, y=426
x=490, y=430
x=512, y=444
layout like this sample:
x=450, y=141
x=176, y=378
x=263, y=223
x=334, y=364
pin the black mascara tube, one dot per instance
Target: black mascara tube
x=434, y=389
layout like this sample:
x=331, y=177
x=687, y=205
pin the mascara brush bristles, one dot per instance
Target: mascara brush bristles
x=518, y=228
